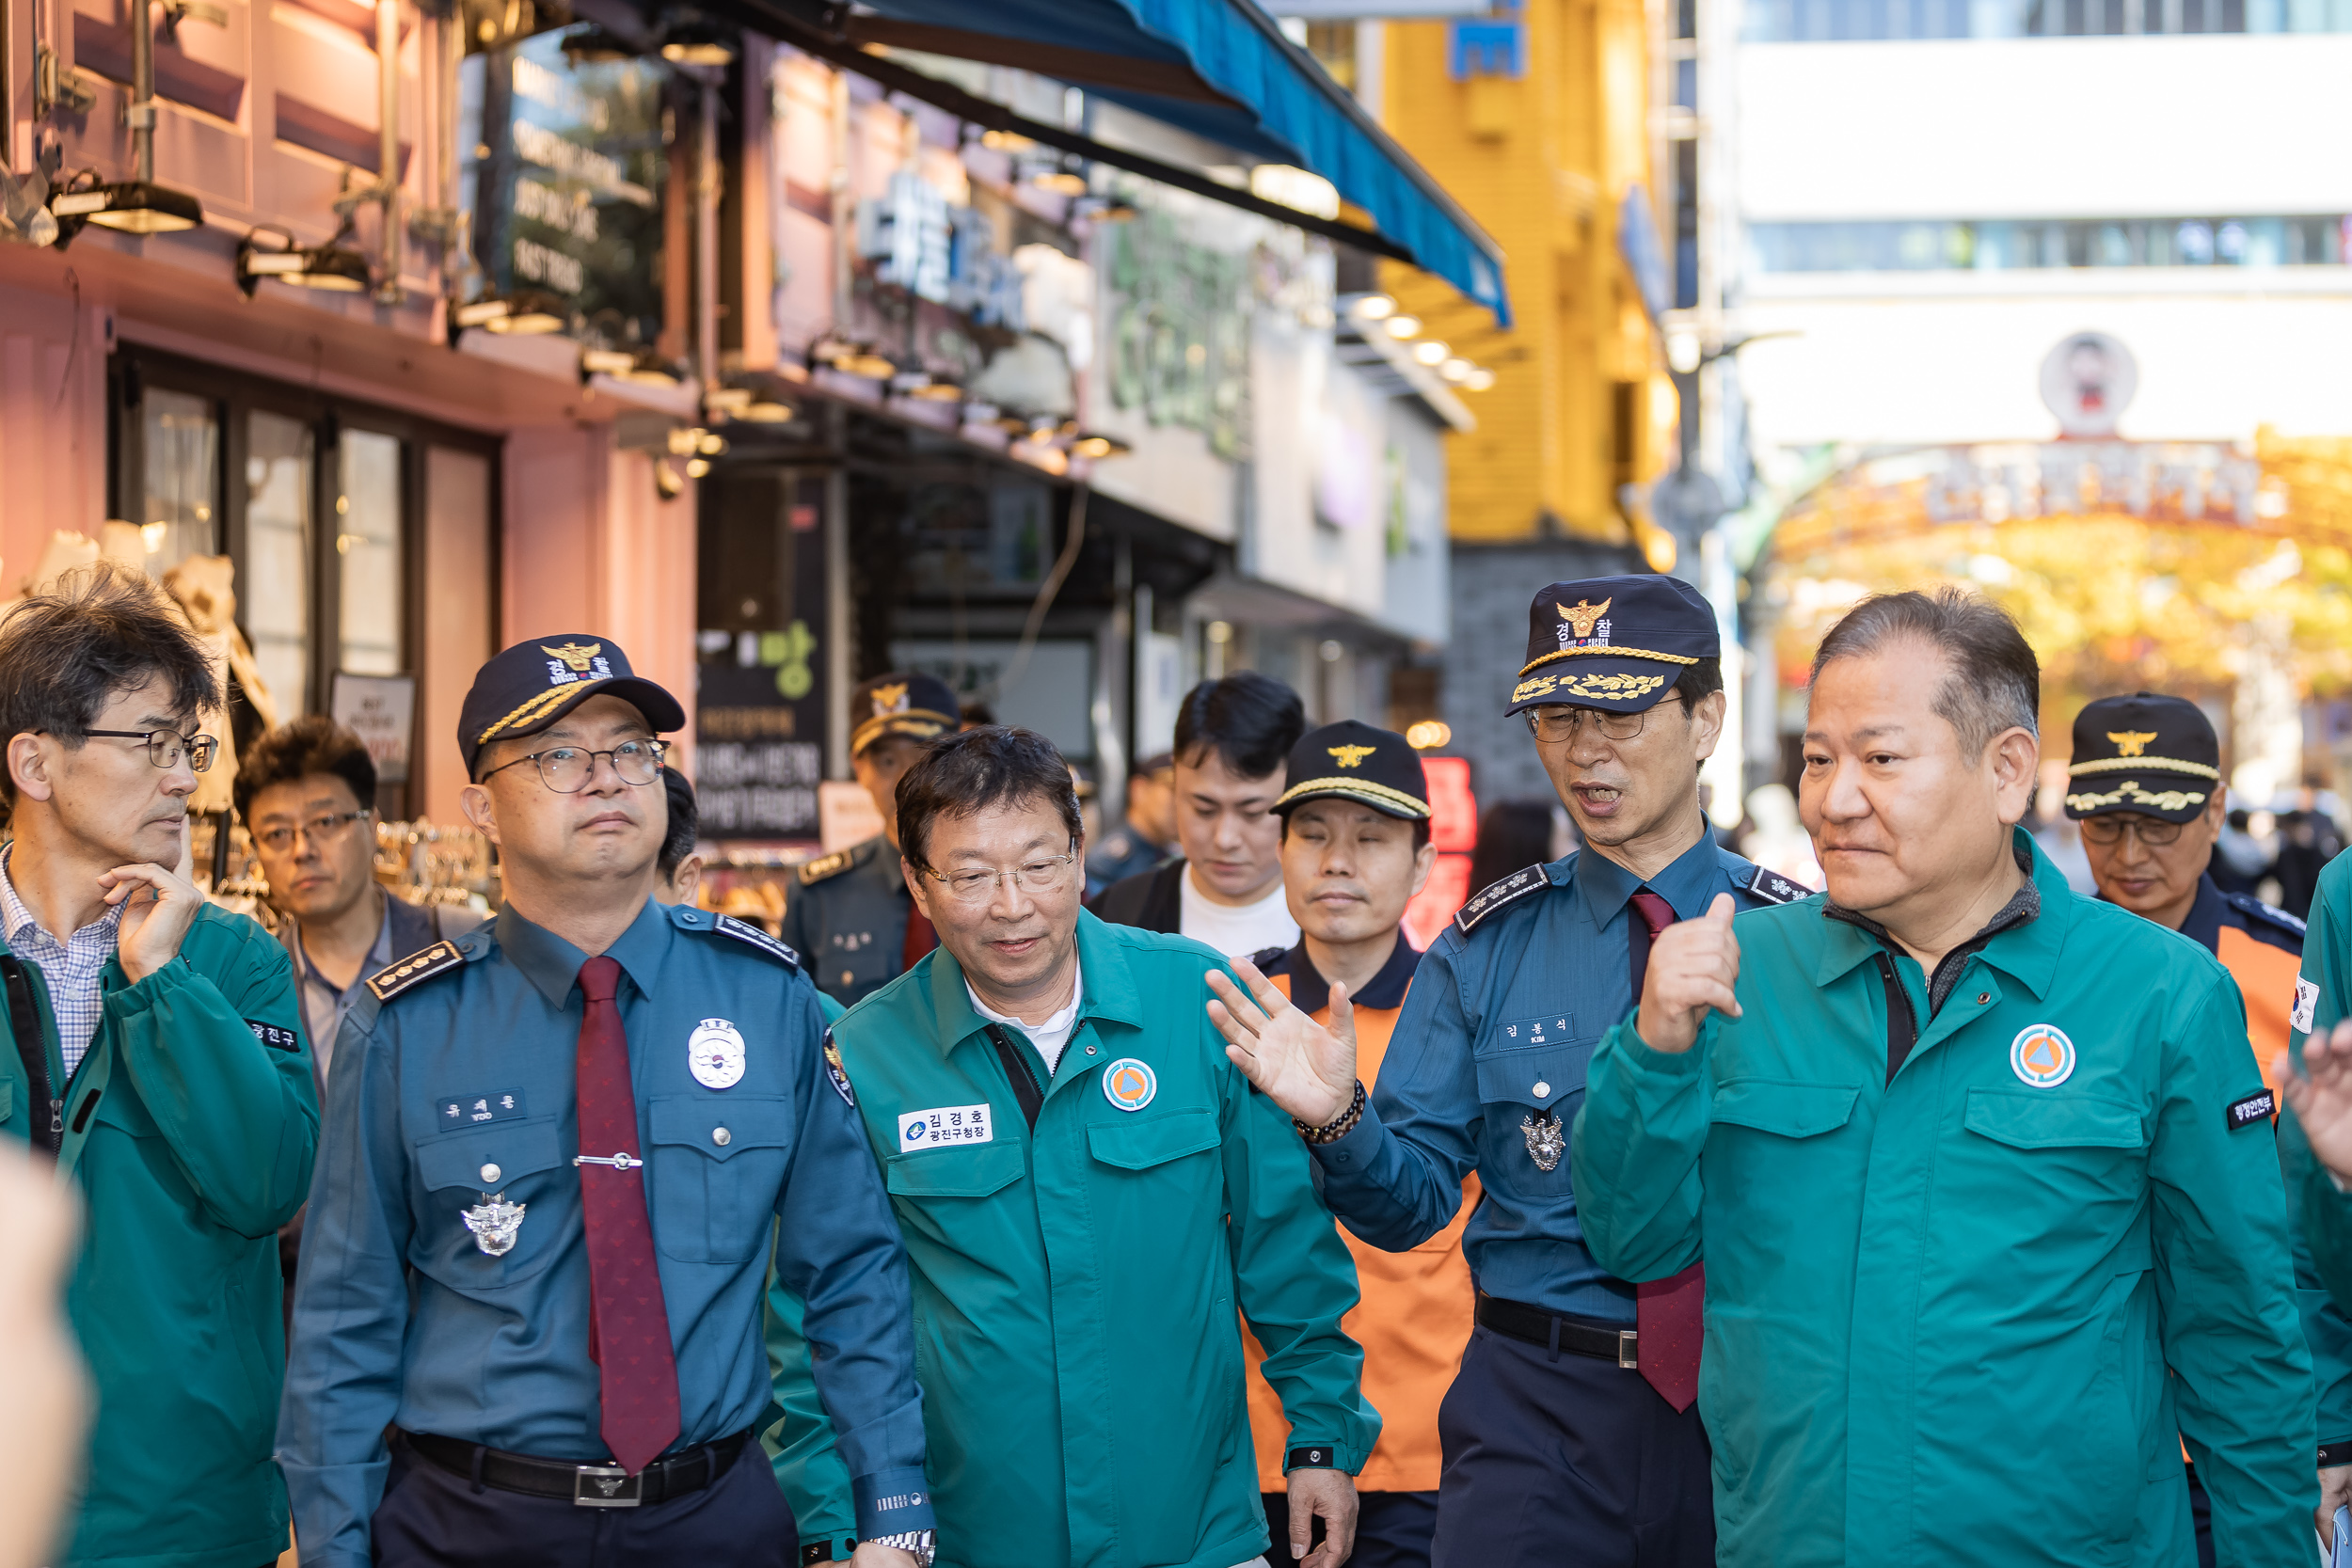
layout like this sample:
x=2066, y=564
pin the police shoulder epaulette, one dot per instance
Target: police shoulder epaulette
x=1519, y=885
x=416, y=969
x=823, y=866
x=2269, y=914
x=1264, y=958
x=743, y=930
x=1770, y=887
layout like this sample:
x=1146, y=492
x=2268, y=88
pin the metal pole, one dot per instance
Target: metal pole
x=388, y=144
x=706, y=184
x=140, y=116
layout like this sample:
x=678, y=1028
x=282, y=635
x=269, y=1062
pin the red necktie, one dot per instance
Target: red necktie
x=921, y=940
x=629, y=1324
x=1668, y=1313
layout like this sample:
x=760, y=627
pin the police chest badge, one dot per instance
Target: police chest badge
x=495, y=1223
x=715, y=1053
x=1547, y=1140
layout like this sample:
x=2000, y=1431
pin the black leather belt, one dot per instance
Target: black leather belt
x=1556, y=1333
x=672, y=1475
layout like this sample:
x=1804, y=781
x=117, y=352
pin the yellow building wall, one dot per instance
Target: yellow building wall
x=1542, y=162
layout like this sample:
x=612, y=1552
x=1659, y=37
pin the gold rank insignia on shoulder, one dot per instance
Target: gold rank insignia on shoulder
x=415, y=968
x=813, y=872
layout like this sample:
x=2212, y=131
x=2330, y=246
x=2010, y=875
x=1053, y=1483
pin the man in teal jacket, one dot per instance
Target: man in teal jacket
x=1982, y=1170
x=157, y=1057
x=1092, y=1199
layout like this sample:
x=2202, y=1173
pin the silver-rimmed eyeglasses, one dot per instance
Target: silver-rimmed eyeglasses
x=1037, y=877
x=565, y=768
x=1557, y=722
x=318, y=830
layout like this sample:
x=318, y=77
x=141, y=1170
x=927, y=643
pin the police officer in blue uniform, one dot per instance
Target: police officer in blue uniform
x=1569, y=1435
x=566, y=1145
x=849, y=913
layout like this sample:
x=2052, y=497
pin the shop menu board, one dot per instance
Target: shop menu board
x=569, y=161
x=759, y=711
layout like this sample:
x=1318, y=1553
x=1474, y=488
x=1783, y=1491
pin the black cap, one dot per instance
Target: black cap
x=1618, y=643
x=534, y=684
x=922, y=706
x=1353, y=761
x=2147, y=753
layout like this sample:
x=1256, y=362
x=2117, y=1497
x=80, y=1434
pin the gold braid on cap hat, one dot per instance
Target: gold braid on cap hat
x=2142, y=765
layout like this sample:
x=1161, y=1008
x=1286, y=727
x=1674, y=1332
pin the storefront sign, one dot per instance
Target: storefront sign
x=759, y=707
x=568, y=182
x=380, y=710
x=1180, y=323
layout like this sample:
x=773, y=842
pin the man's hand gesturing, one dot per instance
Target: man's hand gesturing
x=1693, y=966
x=2321, y=1096
x=1302, y=1066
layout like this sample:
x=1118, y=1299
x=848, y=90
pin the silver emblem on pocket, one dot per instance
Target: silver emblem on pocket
x=1547, y=1140
x=494, y=1222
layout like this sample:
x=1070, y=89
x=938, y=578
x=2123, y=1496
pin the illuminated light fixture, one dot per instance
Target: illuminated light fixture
x=1478, y=380
x=698, y=42
x=152, y=535
x=1006, y=141
x=1658, y=549
x=730, y=401
x=333, y=267
x=867, y=363
x=597, y=45
x=1099, y=447
x=1061, y=181
x=642, y=367
x=1298, y=189
x=667, y=482
x=767, y=413
x=128, y=207
x=1432, y=352
x=1375, y=307
x=1456, y=370
x=525, y=313
x=697, y=468
x=1401, y=328
x=606, y=361
x=1428, y=734
x=937, y=392
x=711, y=446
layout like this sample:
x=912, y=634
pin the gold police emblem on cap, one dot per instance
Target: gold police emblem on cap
x=574, y=656
x=1582, y=615
x=890, y=699
x=1349, y=756
x=2131, y=743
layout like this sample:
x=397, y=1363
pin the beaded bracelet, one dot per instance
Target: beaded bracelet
x=1338, y=1127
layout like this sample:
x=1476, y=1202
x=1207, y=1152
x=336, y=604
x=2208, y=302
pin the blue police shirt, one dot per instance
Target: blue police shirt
x=459, y=1084
x=1502, y=1018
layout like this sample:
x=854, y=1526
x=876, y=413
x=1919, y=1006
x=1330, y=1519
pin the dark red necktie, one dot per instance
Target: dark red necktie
x=921, y=940
x=1667, y=1311
x=628, y=1325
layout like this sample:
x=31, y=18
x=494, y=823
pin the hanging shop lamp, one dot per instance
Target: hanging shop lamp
x=335, y=267
x=524, y=313
x=137, y=205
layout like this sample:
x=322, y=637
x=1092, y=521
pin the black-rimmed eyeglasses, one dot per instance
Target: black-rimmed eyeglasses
x=164, y=749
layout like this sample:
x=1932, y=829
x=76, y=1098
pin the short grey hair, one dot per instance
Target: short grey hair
x=1994, y=683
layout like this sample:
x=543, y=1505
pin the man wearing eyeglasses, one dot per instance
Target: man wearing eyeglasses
x=156, y=1058
x=1090, y=1192
x=2144, y=784
x=1569, y=1432
x=564, y=1149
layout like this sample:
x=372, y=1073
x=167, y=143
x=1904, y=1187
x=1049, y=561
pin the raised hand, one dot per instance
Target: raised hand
x=1693, y=967
x=158, y=907
x=1302, y=1066
x=2321, y=1096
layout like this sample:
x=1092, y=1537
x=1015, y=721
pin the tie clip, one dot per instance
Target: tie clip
x=618, y=1161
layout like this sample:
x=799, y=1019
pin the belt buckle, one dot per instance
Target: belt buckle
x=1628, y=1354
x=605, y=1487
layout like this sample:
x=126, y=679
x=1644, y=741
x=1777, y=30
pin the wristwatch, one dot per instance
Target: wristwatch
x=920, y=1543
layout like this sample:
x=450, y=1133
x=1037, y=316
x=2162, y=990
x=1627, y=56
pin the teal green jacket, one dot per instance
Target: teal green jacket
x=1941, y=1311
x=1079, y=1287
x=189, y=1128
x=2322, y=1215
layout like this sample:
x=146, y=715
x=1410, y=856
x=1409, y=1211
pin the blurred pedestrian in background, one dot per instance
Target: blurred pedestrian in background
x=43, y=1385
x=2308, y=840
x=679, y=873
x=1775, y=840
x=848, y=914
x=1226, y=888
x=1354, y=851
x=1149, y=835
x=1980, y=1169
x=1512, y=835
x=159, y=1062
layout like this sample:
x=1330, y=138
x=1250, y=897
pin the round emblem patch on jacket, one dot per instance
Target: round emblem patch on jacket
x=2042, y=1055
x=714, y=1051
x=1129, y=1083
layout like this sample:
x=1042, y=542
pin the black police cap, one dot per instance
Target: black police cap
x=1353, y=761
x=901, y=702
x=1618, y=643
x=532, y=684
x=2147, y=753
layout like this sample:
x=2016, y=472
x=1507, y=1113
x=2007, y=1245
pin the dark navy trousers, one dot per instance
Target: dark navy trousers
x=429, y=1516
x=1567, y=1459
x=1393, y=1529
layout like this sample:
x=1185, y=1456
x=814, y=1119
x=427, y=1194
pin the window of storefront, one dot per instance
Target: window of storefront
x=323, y=507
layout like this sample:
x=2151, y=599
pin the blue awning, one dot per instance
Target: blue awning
x=1263, y=97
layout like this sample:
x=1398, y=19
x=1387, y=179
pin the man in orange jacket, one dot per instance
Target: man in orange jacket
x=1355, y=850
